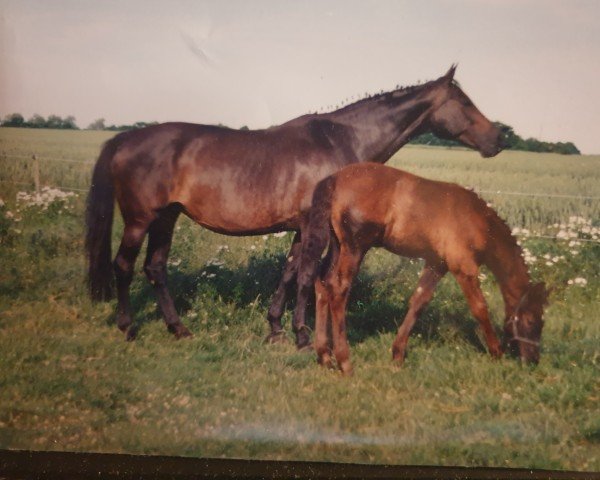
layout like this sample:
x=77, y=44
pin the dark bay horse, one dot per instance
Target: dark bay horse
x=370, y=205
x=250, y=182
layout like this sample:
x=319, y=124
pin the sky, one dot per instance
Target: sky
x=532, y=64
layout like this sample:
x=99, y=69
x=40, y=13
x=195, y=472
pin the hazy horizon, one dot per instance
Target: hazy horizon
x=531, y=64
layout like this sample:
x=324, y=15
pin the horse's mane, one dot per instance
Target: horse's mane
x=398, y=92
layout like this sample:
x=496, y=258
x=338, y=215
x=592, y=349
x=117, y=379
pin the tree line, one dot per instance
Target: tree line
x=67, y=123
x=513, y=140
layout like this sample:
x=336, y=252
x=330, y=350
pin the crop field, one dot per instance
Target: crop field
x=69, y=381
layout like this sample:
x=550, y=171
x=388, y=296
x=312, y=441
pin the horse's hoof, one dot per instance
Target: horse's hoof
x=183, y=332
x=131, y=333
x=306, y=348
x=276, y=337
x=303, y=339
x=123, y=323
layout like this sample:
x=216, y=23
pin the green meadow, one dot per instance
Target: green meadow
x=70, y=382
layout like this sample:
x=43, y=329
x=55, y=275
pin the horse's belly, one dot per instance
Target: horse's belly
x=243, y=214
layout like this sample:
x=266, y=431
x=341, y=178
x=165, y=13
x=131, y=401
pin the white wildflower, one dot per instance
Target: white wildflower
x=280, y=234
x=9, y=214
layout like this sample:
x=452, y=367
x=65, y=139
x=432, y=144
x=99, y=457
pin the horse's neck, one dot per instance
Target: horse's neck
x=382, y=125
x=505, y=260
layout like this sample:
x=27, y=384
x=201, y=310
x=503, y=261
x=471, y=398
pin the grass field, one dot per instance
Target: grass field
x=69, y=381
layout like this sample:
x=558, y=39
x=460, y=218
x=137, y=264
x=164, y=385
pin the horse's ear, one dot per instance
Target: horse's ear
x=450, y=73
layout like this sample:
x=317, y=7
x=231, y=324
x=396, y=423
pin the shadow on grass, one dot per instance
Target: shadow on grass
x=370, y=313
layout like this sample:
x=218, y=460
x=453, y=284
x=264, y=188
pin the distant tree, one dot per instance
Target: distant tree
x=13, y=120
x=37, y=121
x=54, y=121
x=97, y=125
x=245, y=127
x=69, y=123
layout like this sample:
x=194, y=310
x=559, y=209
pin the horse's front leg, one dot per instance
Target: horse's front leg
x=279, y=298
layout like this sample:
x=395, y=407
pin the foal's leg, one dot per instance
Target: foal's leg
x=279, y=298
x=471, y=288
x=339, y=285
x=322, y=344
x=430, y=276
x=133, y=237
x=160, y=235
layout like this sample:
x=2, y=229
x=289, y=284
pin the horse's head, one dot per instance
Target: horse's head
x=457, y=118
x=523, y=329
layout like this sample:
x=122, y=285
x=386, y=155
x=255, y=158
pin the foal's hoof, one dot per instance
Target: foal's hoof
x=276, y=337
x=346, y=369
x=325, y=360
x=132, y=333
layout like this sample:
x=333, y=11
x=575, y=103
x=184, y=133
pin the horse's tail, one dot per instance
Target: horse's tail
x=317, y=234
x=99, y=219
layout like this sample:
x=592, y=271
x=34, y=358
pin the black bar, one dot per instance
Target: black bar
x=69, y=465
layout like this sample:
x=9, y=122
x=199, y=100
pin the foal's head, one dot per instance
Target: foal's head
x=457, y=118
x=523, y=329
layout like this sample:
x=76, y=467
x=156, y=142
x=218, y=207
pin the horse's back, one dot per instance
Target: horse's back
x=232, y=181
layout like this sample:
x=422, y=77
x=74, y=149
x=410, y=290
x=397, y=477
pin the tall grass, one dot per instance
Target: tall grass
x=69, y=381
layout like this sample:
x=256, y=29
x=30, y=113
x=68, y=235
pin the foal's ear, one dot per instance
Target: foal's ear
x=450, y=74
x=539, y=293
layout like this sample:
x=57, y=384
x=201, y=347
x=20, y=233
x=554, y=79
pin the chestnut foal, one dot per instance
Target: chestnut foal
x=370, y=205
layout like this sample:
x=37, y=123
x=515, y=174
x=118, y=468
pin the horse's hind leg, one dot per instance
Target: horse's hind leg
x=160, y=235
x=430, y=276
x=133, y=237
x=279, y=298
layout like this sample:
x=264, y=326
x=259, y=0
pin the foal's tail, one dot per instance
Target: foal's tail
x=318, y=233
x=98, y=219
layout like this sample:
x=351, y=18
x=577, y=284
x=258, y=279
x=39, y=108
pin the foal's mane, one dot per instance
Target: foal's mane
x=500, y=231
